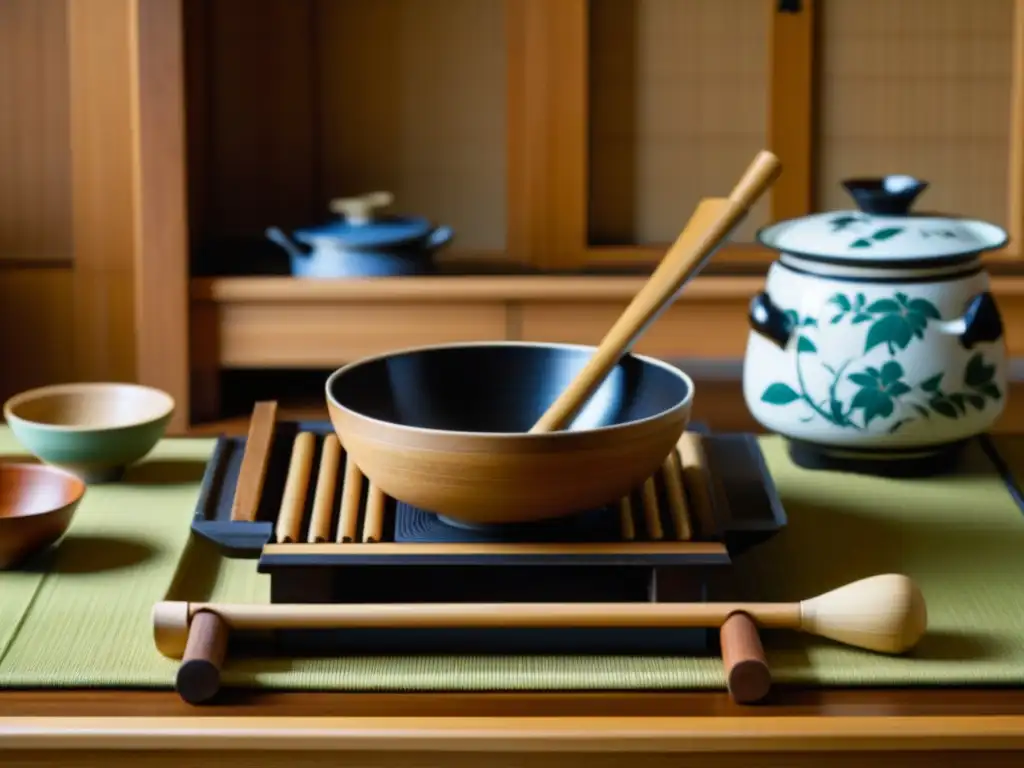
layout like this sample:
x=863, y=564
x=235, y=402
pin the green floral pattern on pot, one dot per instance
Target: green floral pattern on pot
x=882, y=395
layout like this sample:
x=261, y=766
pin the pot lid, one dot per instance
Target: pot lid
x=882, y=228
x=361, y=227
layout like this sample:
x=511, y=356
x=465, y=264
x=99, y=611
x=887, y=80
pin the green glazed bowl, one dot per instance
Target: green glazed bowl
x=94, y=430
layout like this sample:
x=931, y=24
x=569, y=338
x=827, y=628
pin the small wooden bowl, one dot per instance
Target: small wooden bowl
x=36, y=506
x=94, y=430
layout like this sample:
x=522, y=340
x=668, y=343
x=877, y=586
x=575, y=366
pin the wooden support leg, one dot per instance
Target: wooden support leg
x=746, y=669
x=198, y=678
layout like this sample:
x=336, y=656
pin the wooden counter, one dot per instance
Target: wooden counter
x=802, y=728
x=838, y=728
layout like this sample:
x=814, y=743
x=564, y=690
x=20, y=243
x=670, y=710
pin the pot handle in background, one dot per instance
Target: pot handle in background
x=981, y=322
x=767, y=320
x=439, y=238
x=294, y=248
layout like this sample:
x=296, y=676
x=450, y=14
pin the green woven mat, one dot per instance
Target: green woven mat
x=81, y=618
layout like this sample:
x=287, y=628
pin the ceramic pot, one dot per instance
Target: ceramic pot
x=876, y=343
x=363, y=243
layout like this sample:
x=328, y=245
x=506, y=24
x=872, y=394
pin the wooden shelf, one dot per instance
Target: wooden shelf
x=280, y=322
x=442, y=289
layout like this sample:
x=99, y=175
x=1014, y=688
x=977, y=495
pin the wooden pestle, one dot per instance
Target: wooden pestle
x=711, y=223
x=883, y=613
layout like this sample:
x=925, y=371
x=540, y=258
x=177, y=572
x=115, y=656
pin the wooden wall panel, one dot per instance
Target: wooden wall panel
x=256, y=107
x=128, y=207
x=35, y=205
x=295, y=102
x=35, y=327
x=920, y=87
x=679, y=94
x=547, y=103
x=412, y=100
x=102, y=160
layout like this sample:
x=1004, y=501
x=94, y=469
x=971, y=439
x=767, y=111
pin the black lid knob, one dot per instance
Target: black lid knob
x=891, y=195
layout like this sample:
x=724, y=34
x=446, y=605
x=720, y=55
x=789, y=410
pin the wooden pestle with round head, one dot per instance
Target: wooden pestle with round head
x=885, y=613
x=710, y=224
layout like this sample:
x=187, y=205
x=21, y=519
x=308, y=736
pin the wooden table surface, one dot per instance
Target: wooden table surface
x=880, y=728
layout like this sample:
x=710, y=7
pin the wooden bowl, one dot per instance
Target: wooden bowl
x=94, y=430
x=445, y=428
x=36, y=506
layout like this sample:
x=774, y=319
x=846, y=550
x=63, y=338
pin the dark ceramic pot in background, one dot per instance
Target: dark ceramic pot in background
x=362, y=244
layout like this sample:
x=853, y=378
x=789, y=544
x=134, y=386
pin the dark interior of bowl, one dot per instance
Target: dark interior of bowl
x=500, y=388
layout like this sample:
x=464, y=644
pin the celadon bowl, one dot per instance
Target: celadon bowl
x=94, y=430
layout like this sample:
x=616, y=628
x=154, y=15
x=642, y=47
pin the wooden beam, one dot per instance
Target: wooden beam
x=128, y=202
x=1016, y=164
x=102, y=194
x=547, y=131
x=791, y=113
x=161, y=220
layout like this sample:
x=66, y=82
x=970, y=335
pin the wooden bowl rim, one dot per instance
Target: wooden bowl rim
x=67, y=478
x=610, y=430
x=85, y=387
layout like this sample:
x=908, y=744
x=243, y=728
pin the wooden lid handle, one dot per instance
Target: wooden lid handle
x=359, y=210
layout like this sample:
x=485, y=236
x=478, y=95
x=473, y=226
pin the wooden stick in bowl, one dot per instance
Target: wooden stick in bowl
x=709, y=226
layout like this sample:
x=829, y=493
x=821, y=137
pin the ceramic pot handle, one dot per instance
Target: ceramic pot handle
x=767, y=320
x=294, y=247
x=439, y=238
x=981, y=322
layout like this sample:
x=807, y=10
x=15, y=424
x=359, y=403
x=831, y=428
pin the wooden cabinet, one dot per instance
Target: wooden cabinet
x=580, y=132
x=553, y=135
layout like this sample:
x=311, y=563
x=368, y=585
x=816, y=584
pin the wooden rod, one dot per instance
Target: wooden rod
x=671, y=470
x=373, y=524
x=351, y=495
x=707, y=228
x=652, y=511
x=747, y=675
x=240, y=616
x=626, y=525
x=326, y=482
x=884, y=613
x=713, y=551
x=696, y=479
x=255, y=459
x=293, y=503
x=198, y=677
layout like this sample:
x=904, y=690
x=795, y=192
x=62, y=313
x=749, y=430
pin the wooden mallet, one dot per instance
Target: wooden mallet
x=884, y=613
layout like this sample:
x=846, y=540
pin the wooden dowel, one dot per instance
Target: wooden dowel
x=351, y=495
x=747, y=675
x=373, y=522
x=697, y=482
x=326, y=483
x=885, y=613
x=253, y=472
x=652, y=511
x=626, y=524
x=671, y=471
x=479, y=615
x=198, y=678
x=293, y=502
